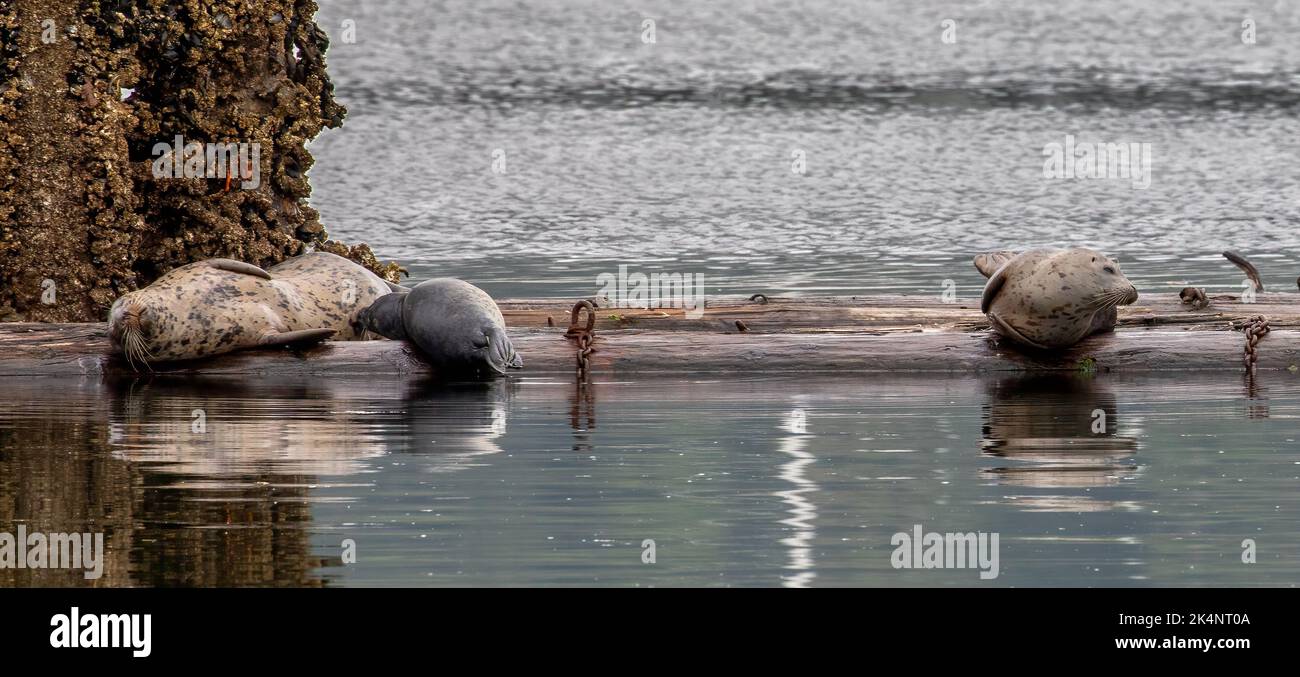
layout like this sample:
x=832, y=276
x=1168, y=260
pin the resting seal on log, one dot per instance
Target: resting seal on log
x=220, y=305
x=1052, y=298
x=456, y=325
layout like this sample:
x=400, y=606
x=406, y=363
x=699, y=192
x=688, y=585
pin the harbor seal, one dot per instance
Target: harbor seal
x=1052, y=298
x=220, y=305
x=456, y=325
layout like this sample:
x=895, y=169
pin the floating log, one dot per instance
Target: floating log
x=889, y=313
x=862, y=334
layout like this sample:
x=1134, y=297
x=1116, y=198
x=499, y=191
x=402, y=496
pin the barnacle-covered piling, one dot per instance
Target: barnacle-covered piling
x=110, y=111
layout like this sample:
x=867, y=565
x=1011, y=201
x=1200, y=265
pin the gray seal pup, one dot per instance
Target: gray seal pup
x=220, y=305
x=456, y=325
x=1052, y=298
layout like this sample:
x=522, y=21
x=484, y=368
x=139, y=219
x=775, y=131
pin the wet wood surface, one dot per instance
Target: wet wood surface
x=785, y=335
x=891, y=313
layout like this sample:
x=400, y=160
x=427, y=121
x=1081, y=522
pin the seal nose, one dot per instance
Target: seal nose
x=127, y=330
x=117, y=324
x=1132, y=295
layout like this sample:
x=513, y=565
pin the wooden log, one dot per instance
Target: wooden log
x=29, y=350
x=889, y=313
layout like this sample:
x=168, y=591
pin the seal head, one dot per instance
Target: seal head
x=383, y=317
x=1052, y=298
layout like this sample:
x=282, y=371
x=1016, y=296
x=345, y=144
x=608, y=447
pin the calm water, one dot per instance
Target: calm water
x=738, y=482
x=677, y=155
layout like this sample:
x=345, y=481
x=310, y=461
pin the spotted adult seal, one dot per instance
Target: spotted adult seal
x=220, y=305
x=1052, y=298
x=456, y=325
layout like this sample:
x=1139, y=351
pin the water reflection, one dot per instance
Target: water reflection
x=56, y=476
x=69, y=464
x=220, y=427
x=475, y=484
x=1256, y=397
x=1060, y=432
x=582, y=415
x=458, y=424
x=212, y=481
x=802, y=510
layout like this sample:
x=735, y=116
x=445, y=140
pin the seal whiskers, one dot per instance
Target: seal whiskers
x=135, y=347
x=1111, y=298
x=127, y=335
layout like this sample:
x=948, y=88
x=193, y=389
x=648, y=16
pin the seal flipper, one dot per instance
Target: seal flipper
x=991, y=289
x=301, y=337
x=1103, y=321
x=989, y=262
x=1012, y=333
x=501, y=352
x=233, y=266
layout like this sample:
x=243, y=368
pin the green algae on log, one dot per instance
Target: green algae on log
x=90, y=88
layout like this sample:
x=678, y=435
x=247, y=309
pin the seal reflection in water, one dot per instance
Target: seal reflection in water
x=1052, y=298
x=454, y=426
x=456, y=325
x=1057, y=431
x=220, y=305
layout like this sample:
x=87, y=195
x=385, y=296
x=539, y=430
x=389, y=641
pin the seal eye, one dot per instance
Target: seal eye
x=1109, y=269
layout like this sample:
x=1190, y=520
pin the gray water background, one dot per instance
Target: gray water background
x=676, y=155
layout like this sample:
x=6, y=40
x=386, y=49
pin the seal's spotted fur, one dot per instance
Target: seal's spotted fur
x=1052, y=298
x=220, y=305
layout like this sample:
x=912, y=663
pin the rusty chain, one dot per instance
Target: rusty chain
x=1256, y=328
x=585, y=336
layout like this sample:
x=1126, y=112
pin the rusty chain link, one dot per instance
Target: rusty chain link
x=585, y=336
x=1256, y=328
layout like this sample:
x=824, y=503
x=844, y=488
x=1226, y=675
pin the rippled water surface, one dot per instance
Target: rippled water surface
x=677, y=155
x=745, y=482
